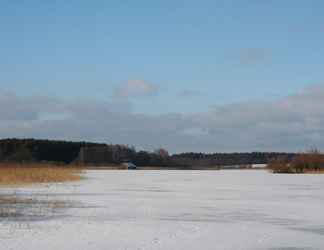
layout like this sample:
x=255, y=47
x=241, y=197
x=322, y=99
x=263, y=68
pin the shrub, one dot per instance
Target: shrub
x=280, y=165
x=312, y=160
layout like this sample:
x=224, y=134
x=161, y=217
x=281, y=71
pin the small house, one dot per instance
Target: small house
x=129, y=165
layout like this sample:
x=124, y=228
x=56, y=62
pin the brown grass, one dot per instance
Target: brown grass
x=17, y=174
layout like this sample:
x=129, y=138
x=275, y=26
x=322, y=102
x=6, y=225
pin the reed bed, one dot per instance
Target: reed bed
x=22, y=174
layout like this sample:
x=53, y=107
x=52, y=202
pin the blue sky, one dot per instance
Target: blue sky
x=184, y=56
x=87, y=48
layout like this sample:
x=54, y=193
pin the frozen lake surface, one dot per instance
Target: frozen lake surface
x=141, y=210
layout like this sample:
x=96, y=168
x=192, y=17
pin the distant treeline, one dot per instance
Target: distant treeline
x=17, y=150
x=67, y=152
x=228, y=159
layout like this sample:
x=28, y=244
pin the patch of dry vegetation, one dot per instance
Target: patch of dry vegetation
x=22, y=174
x=21, y=208
x=309, y=162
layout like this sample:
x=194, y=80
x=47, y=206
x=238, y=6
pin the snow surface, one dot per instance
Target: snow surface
x=141, y=210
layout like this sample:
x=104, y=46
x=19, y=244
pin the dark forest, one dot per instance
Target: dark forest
x=68, y=152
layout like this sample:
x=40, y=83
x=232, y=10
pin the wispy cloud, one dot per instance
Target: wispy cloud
x=136, y=88
x=254, y=56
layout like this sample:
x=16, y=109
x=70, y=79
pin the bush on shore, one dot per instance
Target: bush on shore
x=312, y=160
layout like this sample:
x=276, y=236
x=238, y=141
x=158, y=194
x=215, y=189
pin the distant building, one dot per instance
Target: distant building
x=129, y=165
x=248, y=166
x=259, y=166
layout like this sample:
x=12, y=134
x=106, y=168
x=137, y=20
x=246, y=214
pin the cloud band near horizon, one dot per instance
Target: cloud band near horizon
x=293, y=123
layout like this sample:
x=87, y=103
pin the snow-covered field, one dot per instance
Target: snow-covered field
x=230, y=209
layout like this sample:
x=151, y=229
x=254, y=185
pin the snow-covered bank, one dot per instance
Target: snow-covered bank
x=176, y=210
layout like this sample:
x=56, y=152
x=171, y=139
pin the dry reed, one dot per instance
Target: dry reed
x=20, y=174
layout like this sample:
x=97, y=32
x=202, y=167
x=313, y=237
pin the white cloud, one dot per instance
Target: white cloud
x=135, y=88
